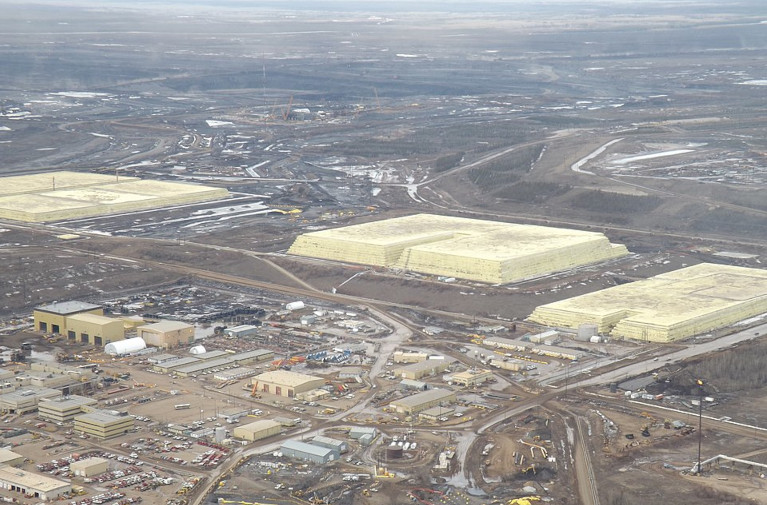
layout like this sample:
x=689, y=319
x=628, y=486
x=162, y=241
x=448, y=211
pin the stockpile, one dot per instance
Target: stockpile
x=68, y=195
x=484, y=251
x=668, y=307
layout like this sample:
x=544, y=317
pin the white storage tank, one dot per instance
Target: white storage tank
x=126, y=346
x=586, y=331
x=295, y=305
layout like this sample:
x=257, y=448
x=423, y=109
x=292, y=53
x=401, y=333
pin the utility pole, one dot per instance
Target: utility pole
x=700, y=420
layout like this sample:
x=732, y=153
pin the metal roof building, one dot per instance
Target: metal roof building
x=331, y=443
x=358, y=431
x=39, y=486
x=421, y=369
x=286, y=383
x=308, y=452
x=69, y=308
x=167, y=334
x=243, y=330
x=257, y=430
x=8, y=457
x=422, y=401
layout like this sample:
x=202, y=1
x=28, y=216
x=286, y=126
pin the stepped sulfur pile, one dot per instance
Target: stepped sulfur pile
x=56, y=196
x=667, y=307
x=484, y=251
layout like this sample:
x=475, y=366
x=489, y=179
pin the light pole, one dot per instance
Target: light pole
x=700, y=420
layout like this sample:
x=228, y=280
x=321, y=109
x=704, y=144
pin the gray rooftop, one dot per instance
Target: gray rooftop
x=257, y=353
x=319, y=439
x=69, y=401
x=316, y=450
x=100, y=416
x=176, y=363
x=210, y=355
x=424, y=397
x=67, y=308
x=204, y=365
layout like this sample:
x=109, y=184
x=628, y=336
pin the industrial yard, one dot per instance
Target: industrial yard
x=260, y=257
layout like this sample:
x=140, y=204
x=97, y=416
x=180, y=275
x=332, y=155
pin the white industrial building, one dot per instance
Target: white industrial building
x=123, y=347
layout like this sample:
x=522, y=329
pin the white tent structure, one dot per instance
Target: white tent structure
x=198, y=349
x=126, y=346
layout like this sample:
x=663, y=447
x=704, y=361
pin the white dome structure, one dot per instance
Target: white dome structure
x=126, y=346
x=198, y=349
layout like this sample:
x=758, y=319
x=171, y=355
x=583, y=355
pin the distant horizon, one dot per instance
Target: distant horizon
x=399, y=5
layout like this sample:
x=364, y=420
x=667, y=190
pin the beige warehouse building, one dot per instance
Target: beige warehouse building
x=56, y=196
x=257, y=430
x=667, y=307
x=52, y=318
x=103, y=425
x=10, y=458
x=471, y=378
x=27, y=483
x=89, y=466
x=94, y=329
x=484, y=251
x=166, y=334
x=421, y=401
x=286, y=383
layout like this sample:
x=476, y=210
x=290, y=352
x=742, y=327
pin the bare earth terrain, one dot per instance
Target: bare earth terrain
x=644, y=121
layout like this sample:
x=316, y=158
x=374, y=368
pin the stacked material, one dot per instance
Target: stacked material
x=68, y=195
x=668, y=307
x=484, y=251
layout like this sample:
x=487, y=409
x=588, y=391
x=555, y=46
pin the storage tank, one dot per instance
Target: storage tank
x=295, y=305
x=586, y=331
x=393, y=452
x=220, y=434
x=126, y=346
x=198, y=349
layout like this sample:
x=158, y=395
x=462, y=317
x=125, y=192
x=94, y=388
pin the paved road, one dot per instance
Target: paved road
x=695, y=349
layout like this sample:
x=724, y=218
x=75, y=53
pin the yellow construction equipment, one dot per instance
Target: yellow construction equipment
x=525, y=500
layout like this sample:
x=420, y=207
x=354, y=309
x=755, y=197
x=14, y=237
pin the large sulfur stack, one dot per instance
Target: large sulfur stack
x=485, y=251
x=668, y=307
x=68, y=195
